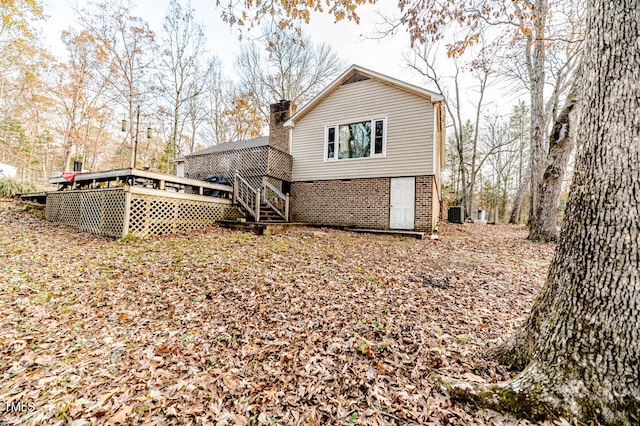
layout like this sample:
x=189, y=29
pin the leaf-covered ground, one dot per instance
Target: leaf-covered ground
x=318, y=327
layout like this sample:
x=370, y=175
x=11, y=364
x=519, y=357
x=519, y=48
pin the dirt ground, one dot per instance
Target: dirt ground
x=317, y=326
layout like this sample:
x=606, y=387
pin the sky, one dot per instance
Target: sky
x=354, y=43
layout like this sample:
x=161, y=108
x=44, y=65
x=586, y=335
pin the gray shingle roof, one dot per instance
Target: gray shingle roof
x=230, y=146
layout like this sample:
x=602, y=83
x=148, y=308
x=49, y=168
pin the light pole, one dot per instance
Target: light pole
x=134, y=147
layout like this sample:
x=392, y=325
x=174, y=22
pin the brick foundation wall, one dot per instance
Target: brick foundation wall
x=426, y=199
x=436, y=204
x=362, y=203
x=358, y=202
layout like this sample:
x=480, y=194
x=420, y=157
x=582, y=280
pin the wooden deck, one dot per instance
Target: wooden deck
x=139, y=178
x=38, y=199
x=136, y=211
x=118, y=203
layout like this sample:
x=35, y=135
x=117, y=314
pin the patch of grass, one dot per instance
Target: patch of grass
x=363, y=345
x=352, y=419
x=378, y=327
x=10, y=187
x=130, y=238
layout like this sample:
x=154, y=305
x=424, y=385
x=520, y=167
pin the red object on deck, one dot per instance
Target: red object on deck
x=70, y=176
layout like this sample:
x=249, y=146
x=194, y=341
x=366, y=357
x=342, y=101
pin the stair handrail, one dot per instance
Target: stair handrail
x=246, y=196
x=283, y=198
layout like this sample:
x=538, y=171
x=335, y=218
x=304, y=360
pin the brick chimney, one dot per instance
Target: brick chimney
x=280, y=112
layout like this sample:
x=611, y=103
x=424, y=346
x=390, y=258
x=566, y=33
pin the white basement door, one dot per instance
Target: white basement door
x=403, y=191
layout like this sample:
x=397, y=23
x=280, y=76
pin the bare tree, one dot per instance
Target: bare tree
x=277, y=66
x=543, y=48
x=217, y=99
x=561, y=142
x=503, y=158
x=519, y=123
x=465, y=133
x=531, y=31
x=77, y=90
x=183, y=45
x=128, y=44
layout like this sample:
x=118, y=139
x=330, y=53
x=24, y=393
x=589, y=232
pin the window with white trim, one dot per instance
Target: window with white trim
x=361, y=139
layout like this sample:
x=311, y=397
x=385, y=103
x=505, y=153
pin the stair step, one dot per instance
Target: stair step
x=267, y=214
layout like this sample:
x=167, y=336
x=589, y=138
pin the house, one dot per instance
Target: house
x=7, y=171
x=366, y=152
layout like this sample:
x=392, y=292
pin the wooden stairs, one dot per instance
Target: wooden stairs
x=265, y=209
x=267, y=214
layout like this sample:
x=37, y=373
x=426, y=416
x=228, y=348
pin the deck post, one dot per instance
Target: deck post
x=235, y=187
x=286, y=207
x=258, y=206
x=127, y=212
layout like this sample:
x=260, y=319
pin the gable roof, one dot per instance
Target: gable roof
x=357, y=73
x=230, y=146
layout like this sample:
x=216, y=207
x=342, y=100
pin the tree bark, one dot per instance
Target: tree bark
x=535, y=66
x=514, y=218
x=561, y=142
x=581, y=341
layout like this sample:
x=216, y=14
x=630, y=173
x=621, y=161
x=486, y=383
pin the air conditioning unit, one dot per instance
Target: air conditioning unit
x=455, y=214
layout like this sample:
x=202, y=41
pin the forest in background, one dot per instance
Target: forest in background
x=115, y=89
x=124, y=84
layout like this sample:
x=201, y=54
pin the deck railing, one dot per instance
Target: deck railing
x=142, y=178
x=250, y=198
x=275, y=199
x=246, y=196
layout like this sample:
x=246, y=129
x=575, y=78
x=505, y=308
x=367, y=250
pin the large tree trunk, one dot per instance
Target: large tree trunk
x=561, y=141
x=581, y=340
x=514, y=218
x=67, y=158
x=469, y=207
x=536, y=62
x=465, y=185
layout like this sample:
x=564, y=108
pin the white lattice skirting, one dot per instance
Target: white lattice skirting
x=140, y=212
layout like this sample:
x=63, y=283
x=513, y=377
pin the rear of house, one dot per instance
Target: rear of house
x=367, y=152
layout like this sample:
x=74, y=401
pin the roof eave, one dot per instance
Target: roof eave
x=433, y=96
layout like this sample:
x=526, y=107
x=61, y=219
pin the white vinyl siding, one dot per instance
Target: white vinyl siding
x=409, y=129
